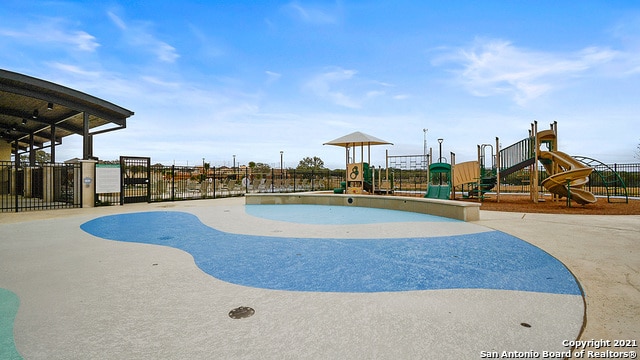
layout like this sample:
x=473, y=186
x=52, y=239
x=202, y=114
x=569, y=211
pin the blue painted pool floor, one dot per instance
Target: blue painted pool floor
x=484, y=260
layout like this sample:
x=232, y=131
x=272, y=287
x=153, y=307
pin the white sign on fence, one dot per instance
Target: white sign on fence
x=107, y=178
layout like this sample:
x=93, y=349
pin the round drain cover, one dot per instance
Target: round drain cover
x=241, y=312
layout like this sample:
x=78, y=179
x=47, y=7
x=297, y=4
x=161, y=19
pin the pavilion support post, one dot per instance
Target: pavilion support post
x=32, y=153
x=14, y=175
x=87, y=152
x=53, y=143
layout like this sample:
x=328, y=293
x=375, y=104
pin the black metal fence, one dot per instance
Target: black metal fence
x=175, y=183
x=40, y=186
x=54, y=186
x=609, y=179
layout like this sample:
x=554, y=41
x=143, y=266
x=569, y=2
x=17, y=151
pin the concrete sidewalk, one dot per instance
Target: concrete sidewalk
x=83, y=297
x=603, y=252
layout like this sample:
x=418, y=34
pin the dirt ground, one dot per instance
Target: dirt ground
x=522, y=203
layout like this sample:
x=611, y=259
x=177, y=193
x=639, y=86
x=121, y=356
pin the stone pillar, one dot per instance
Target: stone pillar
x=88, y=182
x=28, y=178
x=48, y=191
x=5, y=150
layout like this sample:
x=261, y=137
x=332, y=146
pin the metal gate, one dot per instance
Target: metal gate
x=47, y=186
x=134, y=180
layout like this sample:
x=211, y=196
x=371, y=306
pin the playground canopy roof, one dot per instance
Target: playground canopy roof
x=357, y=138
x=34, y=112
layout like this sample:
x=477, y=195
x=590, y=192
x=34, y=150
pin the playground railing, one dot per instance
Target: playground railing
x=517, y=153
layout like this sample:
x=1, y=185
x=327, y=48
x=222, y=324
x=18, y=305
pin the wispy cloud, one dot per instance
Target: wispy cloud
x=75, y=70
x=139, y=36
x=53, y=31
x=208, y=47
x=113, y=86
x=343, y=87
x=497, y=67
x=627, y=32
x=313, y=14
x=272, y=76
x=324, y=84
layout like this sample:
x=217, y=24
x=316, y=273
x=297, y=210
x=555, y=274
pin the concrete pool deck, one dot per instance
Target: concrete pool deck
x=82, y=297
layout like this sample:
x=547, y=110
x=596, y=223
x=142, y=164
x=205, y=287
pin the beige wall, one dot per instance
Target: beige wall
x=5, y=150
x=459, y=210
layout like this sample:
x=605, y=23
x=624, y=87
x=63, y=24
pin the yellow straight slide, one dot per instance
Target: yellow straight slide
x=568, y=174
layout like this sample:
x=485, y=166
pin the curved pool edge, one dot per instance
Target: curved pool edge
x=465, y=211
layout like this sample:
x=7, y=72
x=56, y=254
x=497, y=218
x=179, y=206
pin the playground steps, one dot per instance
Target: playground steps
x=486, y=185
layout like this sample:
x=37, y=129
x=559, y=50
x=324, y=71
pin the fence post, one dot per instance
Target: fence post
x=615, y=168
x=294, y=180
x=246, y=181
x=173, y=183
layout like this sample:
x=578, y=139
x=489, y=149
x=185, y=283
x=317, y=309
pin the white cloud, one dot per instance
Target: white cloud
x=312, y=15
x=323, y=85
x=495, y=67
x=54, y=32
x=344, y=88
x=208, y=47
x=139, y=36
x=401, y=96
x=75, y=70
x=117, y=21
x=272, y=76
x=375, y=93
x=627, y=33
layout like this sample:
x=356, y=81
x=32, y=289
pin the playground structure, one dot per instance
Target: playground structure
x=564, y=176
x=567, y=176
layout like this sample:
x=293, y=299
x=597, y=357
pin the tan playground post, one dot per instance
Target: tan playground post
x=452, y=194
x=498, y=169
x=479, y=181
x=533, y=180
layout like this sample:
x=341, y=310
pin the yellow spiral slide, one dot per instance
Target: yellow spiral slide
x=568, y=176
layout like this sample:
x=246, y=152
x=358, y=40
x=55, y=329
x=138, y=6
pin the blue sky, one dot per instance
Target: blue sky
x=213, y=79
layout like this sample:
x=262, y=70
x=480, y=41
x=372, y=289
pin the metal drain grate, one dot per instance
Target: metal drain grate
x=241, y=312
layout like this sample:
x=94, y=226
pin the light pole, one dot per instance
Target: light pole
x=424, y=148
x=440, y=157
x=233, y=169
x=281, y=164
